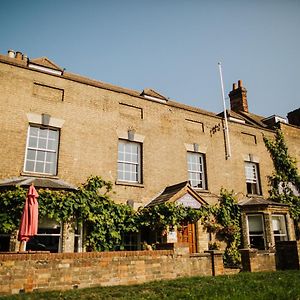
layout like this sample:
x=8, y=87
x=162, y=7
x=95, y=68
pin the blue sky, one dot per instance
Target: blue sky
x=169, y=45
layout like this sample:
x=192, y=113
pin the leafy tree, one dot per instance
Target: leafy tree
x=285, y=181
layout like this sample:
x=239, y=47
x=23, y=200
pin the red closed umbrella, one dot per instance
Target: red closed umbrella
x=29, y=221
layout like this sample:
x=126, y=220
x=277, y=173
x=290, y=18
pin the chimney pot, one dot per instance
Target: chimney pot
x=19, y=55
x=234, y=86
x=11, y=53
x=25, y=57
x=240, y=82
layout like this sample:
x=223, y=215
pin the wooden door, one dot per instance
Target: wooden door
x=186, y=234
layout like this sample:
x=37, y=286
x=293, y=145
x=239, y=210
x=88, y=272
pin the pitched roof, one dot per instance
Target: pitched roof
x=248, y=118
x=37, y=181
x=257, y=201
x=45, y=62
x=174, y=192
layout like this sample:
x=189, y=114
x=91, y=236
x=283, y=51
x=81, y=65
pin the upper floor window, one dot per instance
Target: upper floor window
x=252, y=178
x=41, y=150
x=129, y=161
x=196, y=170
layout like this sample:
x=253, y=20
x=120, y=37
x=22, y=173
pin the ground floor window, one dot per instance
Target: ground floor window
x=48, y=237
x=256, y=231
x=131, y=241
x=279, y=228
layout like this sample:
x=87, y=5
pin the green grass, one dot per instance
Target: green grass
x=270, y=285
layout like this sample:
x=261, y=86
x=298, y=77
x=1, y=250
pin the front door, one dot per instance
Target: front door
x=186, y=234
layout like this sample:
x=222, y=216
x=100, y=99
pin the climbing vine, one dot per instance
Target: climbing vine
x=168, y=214
x=285, y=181
x=226, y=223
x=105, y=221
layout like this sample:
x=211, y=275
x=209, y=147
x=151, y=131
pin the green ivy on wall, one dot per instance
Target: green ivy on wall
x=285, y=180
x=105, y=221
x=226, y=223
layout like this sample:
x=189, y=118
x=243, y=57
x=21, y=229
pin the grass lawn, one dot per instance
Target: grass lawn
x=271, y=285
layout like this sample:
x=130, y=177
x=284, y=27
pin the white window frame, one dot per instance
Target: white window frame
x=282, y=219
x=253, y=180
x=263, y=228
x=200, y=170
x=44, y=150
x=135, y=177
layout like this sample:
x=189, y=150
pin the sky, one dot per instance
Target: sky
x=170, y=46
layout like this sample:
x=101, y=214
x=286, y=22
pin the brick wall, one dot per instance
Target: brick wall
x=258, y=261
x=27, y=272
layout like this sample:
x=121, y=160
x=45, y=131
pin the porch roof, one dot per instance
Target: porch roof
x=40, y=182
x=174, y=192
x=258, y=201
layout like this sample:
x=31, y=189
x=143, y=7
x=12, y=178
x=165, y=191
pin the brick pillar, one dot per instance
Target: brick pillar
x=244, y=231
x=217, y=264
x=270, y=242
x=67, y=238
x=245, y=255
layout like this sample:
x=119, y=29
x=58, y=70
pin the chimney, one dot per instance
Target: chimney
x=238, y=98
x=294, y=117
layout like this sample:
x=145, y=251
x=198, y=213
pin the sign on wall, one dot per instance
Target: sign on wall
x=188, y=201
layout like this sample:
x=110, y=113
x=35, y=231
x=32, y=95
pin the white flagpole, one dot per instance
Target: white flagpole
x=228, y=148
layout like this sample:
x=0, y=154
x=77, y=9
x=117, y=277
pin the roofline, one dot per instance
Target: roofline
x=110, y=87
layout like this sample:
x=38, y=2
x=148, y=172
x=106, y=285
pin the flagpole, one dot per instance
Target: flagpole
x=227, y=146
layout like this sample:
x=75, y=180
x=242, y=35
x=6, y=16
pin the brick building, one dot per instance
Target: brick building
x=58, y=128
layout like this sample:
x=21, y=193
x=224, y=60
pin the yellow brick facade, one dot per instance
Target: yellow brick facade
x=94, y=116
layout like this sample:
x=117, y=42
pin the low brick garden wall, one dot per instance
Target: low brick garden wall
x=254, y=260
x=26, y=272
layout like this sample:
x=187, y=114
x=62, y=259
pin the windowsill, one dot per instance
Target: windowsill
x=134, y=184
x=254, y=195
x=39, y=175
x=198, y=190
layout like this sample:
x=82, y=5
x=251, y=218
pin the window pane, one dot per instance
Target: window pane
x=31, y=154
x=255, y=224
x=42, y=143
x=32, y=142
x=51, y=157
x=43, y=133
x=53, y=134
x=52, y=144
x=47, y=168
x=29, y=166
x=33, y=131
x=39, y=167
x=40, y=156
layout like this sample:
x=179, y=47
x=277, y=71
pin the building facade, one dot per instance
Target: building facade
x=58, y=126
